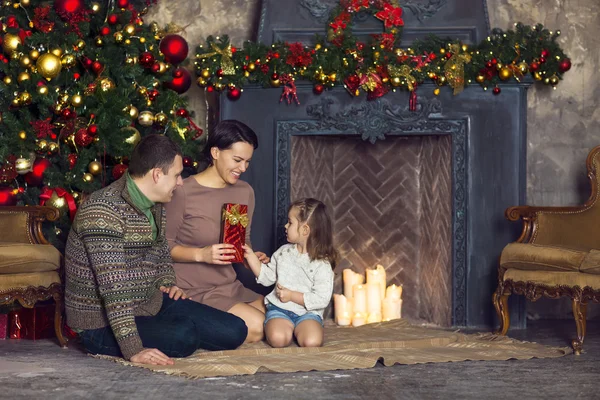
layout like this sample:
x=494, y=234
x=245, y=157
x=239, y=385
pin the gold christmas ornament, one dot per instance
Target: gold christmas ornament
x=129, y=29
x=142, y=40
x=23, y=76
x=80, y=44
x=396, y=81
x=251, y=67
x=41, y=146
x=87, y=177
x=118, y=37
x=206, y=73
x=96, y=7
x=95, y=167
x=25, y=3
x=11, y=43
x=22, y=165
x=58, y=52
x=154, y=28
x=127, y=42
x=43, y=90
x=59, y=203
x=554, y=80
x=436, y=91
x=332, y=77
x=277, y=82
x=441, y=80
x=505, y=73
x=25, y=98
x=162, y=67
x=201, y=82
x=146, y=118
x=106, y=84
x=25, y=61
x=99, y=41
x=523, y=67
x=247, y=73
x=7, y=80
x=76, y=196
x=16, y=102
x=64, y=98
x=34, y=54
x=537, y=76
x=76, y=100
x=161, y=119
x=132, y=136
x=142, y=90
x=68, y=60
x=53, y=147
x=48, y=65
x=22, y=135
x=480, y=78
x=133, y=112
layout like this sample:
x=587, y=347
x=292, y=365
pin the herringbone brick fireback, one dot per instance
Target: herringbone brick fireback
x=391, y=205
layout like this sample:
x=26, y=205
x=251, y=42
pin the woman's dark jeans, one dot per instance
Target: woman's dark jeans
x=180, y=328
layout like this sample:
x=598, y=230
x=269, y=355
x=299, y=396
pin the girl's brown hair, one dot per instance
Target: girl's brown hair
x=320, y=241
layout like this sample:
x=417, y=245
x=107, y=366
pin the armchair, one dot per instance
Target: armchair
x=29, y=265
x=557, y=255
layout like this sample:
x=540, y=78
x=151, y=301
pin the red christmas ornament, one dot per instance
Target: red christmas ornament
x=67, y=113
x=489, y=64
x=146, y=59
x=72, y=160
x=448, y=55
x=188, y=162
x=219, y=72
x=210, y=89
x=83, y=138
x=545, y=53
x=87, y=62
x=360, y=46
x=36, y=176
x=105, y=30
x=182, y=112
x=93, y=129
x=7, y=196
x=97, y=67
x=494, y=61
x=496, y=90
x=542, y=60
x=153, y=94
x=68, y=6
x=119, y=170
x=182, y=83
x=175, y=48
x=76, y=75
x=234, y=93
x=534, y=66
x=123, y=3
x=318, y=88
x=113, y=19
x=275, y=76
x=564, y=65
x=155, y=68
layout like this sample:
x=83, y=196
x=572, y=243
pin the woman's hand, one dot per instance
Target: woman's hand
x=262, y=257
x=220, y=254
x=174, y=292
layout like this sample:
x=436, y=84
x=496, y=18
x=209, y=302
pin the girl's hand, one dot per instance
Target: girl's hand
x=220, y=254
x=249, y=254
x=284, y=295
x=262, y=257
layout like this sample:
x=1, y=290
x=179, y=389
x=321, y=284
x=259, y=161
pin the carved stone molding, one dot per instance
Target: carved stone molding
x=373, y=121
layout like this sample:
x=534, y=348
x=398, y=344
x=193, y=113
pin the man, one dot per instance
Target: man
x=120, y=285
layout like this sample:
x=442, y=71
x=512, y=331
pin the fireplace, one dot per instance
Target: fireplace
x=454, y=165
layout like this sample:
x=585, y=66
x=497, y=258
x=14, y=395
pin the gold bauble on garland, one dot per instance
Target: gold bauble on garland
x=22, y=165
x=34, y=54
x=95, y=168
x=118, y=37
x=206, y=73
x=99, y=41
x=106, y=84
x=60, y=203
x=25, y=61
x=505, y=73
x=87, y=177
x=523, y=67
x=133, y=112
x=11, y=43
x=7, y=80
x=43, y=90
x=42, y=146
x=76, y=100
x=23, y=76
x=129, y=29
x=146, y=118
x=161, y=119
x=53, y=147
x=22, y=135
x=68, y=60
x=48, y=65
x=480, y=78
x=25, y=98
x=132, y=136
x=58, y=52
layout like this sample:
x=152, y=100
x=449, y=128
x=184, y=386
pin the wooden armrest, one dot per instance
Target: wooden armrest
x=36, y=215
x=530, y=212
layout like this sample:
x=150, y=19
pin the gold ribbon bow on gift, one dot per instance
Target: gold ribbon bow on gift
x=403, y=72
x=226, y=61
x=455, y=68
x=234, y=216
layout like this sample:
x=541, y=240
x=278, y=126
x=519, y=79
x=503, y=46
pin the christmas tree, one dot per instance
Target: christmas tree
x=80, y=84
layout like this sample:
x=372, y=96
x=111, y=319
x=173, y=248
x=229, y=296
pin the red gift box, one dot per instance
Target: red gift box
x=3, y=326
x=235, y=221
x=32, y=323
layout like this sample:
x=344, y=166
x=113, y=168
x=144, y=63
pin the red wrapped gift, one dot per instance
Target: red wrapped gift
x=235, y=220
x=3, y=326
x=32, y=323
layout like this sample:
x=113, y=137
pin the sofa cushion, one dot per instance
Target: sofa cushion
x=554, y=279
x=18, y=258
x=10, y=282
x=541, y=258
x=591, y=263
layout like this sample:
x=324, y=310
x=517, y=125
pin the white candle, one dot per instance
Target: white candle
x=342, y=309
x=392, y=309
x=350, y=278
x=374, y=317
x=373, y=297
x=394, y=292
x=358, y=319
x=359, y=301
x=377, y=276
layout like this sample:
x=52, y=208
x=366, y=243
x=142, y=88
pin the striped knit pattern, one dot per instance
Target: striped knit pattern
x=113, y=267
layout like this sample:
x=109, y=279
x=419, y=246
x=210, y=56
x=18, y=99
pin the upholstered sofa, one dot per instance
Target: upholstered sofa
x=29, y=266
x=557, y=254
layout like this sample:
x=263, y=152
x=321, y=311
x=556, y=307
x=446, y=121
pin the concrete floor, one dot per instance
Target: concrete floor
x=41, y=369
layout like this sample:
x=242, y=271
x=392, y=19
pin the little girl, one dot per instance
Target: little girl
x=303, y=271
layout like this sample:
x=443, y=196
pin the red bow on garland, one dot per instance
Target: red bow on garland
x=60, y=192
x=391, y=16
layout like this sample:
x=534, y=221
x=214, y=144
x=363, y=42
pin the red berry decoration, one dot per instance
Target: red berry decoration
x=93, y=129
x=188, y=162
x=36, y=176
x=496, y=90
x=318, y=89
x=534, y=66
x=175, y=48
x=182, y=83
x=234, y=93
x=97, y=67
x=182, y=112
x=123, y=3
x=72, y=160
x=146, y=59
x=564, y=65
x=119, y=170
x=68, y=6
x=105, y=30
x=113, y=19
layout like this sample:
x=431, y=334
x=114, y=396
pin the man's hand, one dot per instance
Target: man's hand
x=284, y=295
x=262, y=257
x=174, y=292
x=152, y=356
x=220, y=254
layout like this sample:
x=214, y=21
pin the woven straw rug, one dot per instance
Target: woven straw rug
x=393, y=342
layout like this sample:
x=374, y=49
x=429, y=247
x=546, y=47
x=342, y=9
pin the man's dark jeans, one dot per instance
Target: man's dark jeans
x=180, y=328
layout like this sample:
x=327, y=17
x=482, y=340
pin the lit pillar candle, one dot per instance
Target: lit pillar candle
x=393, y=292
x=358, y=319
x=377, y=276
x=373, y=297
x=392, y=308
x=374, y=317
x=359, y=301
x=342, y=309
x=350, y=279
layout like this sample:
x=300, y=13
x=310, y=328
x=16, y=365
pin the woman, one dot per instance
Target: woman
x=203, y=267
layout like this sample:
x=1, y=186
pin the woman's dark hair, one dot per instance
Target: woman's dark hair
x=225, y=134
x=320, y=241
x=153, y=151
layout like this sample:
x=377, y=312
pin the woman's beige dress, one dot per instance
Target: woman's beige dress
x=194, y=220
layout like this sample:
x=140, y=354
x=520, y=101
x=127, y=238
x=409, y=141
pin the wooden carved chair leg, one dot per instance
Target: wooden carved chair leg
x=58, y=320
x=500, y=300
x=580, y=314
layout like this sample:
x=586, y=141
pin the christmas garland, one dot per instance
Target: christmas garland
x=381, y=66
